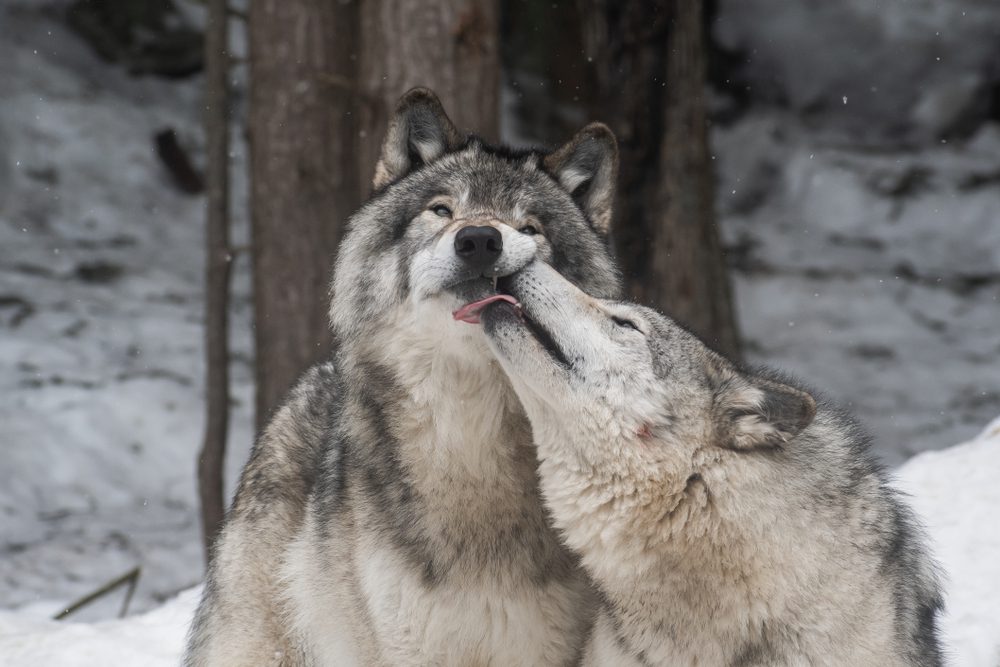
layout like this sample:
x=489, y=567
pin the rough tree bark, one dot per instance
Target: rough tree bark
x=449, y=46
x=650, y=60
x=217, y=263
x=303, y=178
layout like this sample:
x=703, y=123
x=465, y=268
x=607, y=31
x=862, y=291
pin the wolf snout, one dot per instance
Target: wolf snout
x=479, y=247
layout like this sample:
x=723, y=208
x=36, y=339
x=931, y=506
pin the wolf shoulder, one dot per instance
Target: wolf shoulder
x=240, y=618
x=287, y=457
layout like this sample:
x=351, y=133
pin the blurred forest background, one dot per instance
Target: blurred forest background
x=811, y=185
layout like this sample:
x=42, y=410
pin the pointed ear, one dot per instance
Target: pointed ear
x=419, y=132
x=751, y=412
x=587, y=167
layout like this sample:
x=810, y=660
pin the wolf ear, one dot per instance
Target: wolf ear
x=587, y=166
x=419, y=133
x=752, y=412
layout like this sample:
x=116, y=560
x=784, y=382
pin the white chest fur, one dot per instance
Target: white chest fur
x=476, y=624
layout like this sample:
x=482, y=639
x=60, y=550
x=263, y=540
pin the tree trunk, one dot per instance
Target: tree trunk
x=217, y=263
x=687, y=254
x=303, y=178
x=449, y=46
x=651, y=60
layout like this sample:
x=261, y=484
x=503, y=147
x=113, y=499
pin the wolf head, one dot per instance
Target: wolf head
x=613, y=374
x=451, y=214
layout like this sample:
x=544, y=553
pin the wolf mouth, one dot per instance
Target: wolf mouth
x=547, y=342
x=472, y=312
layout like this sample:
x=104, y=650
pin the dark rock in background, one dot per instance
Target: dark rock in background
x=147, y=36
x=910, y=72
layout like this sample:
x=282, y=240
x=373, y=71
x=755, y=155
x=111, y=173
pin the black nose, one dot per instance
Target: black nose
x=479, y=247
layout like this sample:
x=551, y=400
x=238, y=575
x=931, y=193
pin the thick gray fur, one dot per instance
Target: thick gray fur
x=725, y=517
x=389, y=513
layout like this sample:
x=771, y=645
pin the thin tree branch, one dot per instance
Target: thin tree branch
x=233, y=12
x=217, y=269
x=131, y=577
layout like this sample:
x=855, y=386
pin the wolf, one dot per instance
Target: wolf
x=724, y=515
x=389, y=513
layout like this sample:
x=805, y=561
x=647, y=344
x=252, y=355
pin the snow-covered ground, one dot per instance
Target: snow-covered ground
x=873, y=274
x=100, y=327
x=954, y=491
x=862, y=207
x=153, y=639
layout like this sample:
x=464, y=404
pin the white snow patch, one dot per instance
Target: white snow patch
x=956, y=494
x=151, y=639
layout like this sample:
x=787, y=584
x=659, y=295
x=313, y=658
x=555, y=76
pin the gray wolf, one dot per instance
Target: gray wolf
x=389, y=513
x=724, y=516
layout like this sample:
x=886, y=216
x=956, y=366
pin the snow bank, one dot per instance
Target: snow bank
x=151, y=639
x=869, y=274
x=953, y=490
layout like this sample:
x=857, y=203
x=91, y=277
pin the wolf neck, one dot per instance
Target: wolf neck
x=459, y=415
x=463, y=445
x=663, y=538
x=617, y=498
x=459, y=418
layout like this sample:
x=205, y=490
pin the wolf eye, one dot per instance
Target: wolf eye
x=529, y=229
x=628, y=324
x=441, y=210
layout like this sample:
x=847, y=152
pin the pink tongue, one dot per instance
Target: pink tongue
x=470, y=311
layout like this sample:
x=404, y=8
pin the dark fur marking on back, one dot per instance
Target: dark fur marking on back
x=382, y=478
x=604, y=603
x=759, y=653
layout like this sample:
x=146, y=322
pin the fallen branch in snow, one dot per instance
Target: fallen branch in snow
x=131, y=577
